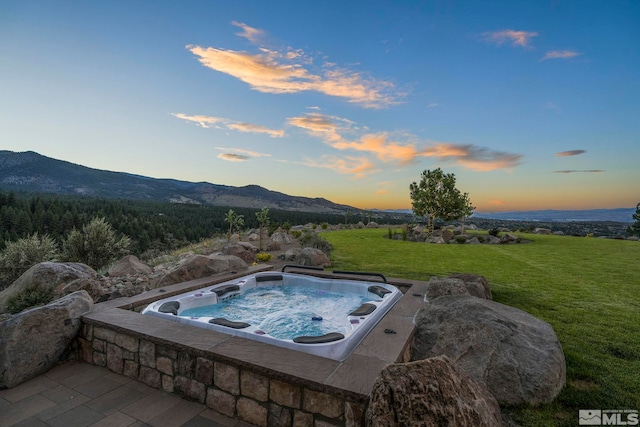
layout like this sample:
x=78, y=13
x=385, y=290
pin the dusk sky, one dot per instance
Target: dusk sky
x=531, y=104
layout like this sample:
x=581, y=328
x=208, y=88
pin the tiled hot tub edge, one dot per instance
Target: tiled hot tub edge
x=256, y=382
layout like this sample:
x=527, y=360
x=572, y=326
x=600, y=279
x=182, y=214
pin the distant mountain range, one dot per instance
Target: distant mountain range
x=550, y=215
x=34, y=173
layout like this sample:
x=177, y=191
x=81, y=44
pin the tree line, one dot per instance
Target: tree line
x=150, y=225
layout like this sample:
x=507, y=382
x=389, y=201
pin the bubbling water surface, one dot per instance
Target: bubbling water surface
x=286, y=312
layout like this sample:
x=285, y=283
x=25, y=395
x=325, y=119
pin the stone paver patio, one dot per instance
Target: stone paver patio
x=77, y=394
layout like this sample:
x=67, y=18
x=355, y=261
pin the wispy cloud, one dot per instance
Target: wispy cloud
x=580, y=171
x=254, y=35
x=332, y=130
x=570, y=153
x=515, y=38
x=384, y=187
x=249, y=127
x=323, y=126
x=232, y=157
x=359, y=167
x=246, y=153
x=292, y=71
x=220, y=123
x=560, y=54
x=203, y=121
x=497, y=202
x=380, y=145
x=479, y=159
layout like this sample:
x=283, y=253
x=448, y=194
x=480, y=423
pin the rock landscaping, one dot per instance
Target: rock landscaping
x=468, y=356
x=515, y=355
x=430, y=392
x=33, y=341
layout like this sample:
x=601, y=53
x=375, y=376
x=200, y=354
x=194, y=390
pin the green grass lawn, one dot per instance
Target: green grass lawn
x=587, y=289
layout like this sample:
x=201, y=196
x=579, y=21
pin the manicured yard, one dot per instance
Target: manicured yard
x=587, y=289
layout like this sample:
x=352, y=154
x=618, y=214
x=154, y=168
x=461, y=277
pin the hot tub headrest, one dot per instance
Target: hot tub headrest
x=229, y=323
x=330, y=337
x=269, y=278
x=378, y=290
x=171, y=307
x=363, y=310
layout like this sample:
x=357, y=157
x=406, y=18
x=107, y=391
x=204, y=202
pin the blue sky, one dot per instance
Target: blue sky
x=532, y=105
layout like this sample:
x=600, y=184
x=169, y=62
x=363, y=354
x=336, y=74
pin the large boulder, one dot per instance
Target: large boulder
x=32, y=341
x=440, y=286
x=199, y=266
x=515, y=355
x=48, y=275
x=281, y=238
x=129, y=265
x=475, y=284
x=243, y=250
x=541, y=230
x=306, y=256
x=432, y=392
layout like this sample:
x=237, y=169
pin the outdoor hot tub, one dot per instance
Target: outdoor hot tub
x=325, y=317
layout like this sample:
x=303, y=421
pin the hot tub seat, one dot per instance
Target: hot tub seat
x=229, y=323
x=330, y=337
x=363, y=310
x=379, y=290
x=170, y=307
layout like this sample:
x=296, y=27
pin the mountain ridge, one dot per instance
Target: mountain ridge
x=32, y=172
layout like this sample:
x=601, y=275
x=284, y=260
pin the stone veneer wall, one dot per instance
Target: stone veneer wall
x=235, y=391
x=248, y=380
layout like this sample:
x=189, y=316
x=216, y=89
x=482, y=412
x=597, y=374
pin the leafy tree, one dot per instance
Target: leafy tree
x=465, y=209
x=95, y=245
x=263, y=220
x=235, y=222
x=436, y=196
x=22, y=254
x=634, y=229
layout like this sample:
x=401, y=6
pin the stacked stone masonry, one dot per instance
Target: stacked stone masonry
x=240, y=378
x=230, y=390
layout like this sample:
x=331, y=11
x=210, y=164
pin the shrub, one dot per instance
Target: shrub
x=296, y=234
x=324, y=225
x=461, y=240
x=29, y=297
x=263, y=257
x=95, y=245
x=314, y=240
x=494, y=232
x=22, y=254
